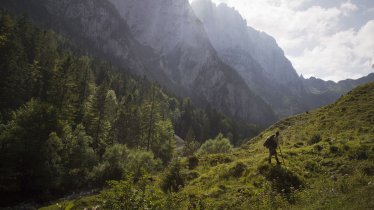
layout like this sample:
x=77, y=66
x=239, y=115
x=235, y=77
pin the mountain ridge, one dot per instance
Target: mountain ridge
x=188, y=57
x=254, y=55
x=263, y=65
x=111, y=40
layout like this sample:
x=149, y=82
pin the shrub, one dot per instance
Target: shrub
x=368, y=170
x=359, y=154
x=139, y=161
x=315, y=139
x=283, y=180
x=217, y=145
x=191, y=148
x=263, y=169
x=193, y=162
x=191, y=175
x=334, y=149
x=298, y=144
x=118, y=161
x=318, y=148
x=346, y=147
x=114, y=163
x=172, y=179
x=219, y=159
x=237, y=170
x=127, y=195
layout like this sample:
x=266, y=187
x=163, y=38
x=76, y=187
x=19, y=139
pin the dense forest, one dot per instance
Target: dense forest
x=69, y=122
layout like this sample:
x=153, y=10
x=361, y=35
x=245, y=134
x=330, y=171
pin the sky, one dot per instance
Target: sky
x=328, y=39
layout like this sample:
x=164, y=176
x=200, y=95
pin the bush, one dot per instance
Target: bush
x=237, y=170
x=334, y=149
x=191, y=175
x=217, y=145
x=368, y=170
x=219, y=159
x=118, y=161
x=114, y=163
x=298, y=144
x=359, y=154
x=318, y=148
x=190, y=148
x=282, y=180
x=263, y=169
x=193, y=162
x=172, y=179
x=315, y=139
x=127, y=195
x=139, y=161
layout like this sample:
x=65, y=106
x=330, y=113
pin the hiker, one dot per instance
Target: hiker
x=272, y=143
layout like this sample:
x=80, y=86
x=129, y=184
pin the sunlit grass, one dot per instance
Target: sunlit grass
x=329, y=164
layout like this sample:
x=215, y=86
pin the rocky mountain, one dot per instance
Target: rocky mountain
x=95, y=27
x=205, y=52
x=173, y=31
x=255, y=55
x=315, y=85
x=325, y=92
x=259, y=60
x=162, y=40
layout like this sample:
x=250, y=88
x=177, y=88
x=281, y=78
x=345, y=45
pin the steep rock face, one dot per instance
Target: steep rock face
x=187, y=57
x=96, y=27
x=254, y=55
x=227, y=29
x=171, y=48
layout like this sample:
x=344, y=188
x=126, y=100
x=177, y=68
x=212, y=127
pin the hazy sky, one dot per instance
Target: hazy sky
x=329, y=39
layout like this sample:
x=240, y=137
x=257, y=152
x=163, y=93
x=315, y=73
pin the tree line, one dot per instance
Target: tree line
x=69, y=122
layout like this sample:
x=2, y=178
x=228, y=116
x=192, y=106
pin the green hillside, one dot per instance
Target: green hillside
x=328, y=156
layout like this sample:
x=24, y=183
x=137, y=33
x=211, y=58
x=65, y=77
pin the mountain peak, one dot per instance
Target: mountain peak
x=188, y=58
x=227, y=29
x=160, y=24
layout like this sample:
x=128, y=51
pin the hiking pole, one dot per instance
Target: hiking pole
x=280, y=151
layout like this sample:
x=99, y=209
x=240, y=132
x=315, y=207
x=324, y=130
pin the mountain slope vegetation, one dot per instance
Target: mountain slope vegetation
x=328, y=156
x=69, y=122
x=327, y=163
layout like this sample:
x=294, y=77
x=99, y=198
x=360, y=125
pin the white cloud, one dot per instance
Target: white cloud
x=346, y=54
x=348, y=7
x=312, y=36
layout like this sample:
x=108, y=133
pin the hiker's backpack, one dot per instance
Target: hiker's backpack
x=270, y=142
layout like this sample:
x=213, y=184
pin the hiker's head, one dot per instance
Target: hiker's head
x=277, y=133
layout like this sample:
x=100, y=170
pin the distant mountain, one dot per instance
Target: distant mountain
x=254, y=55
x=165, y=42
x=326, y=92
x=187, y=57
x=262, y=64
x=315, y=85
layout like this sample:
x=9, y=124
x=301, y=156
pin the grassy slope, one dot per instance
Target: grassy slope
x=337, y=172
x=334, y=171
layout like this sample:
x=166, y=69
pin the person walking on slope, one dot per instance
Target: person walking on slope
x=272, y=143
